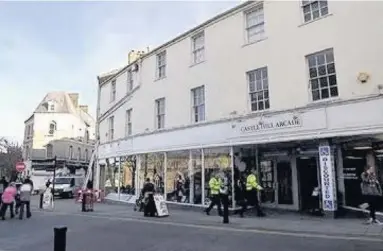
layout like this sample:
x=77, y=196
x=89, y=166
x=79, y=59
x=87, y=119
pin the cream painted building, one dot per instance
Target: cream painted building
x=59, y=127
x=291, y=89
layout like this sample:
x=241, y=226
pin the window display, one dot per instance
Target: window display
x=111, y=176
x=195, y=176
x=128, y=174
x=217, y=162
x=177, y=177
x=152, y=166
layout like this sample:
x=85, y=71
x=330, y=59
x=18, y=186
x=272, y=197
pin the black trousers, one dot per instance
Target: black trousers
x=373, y=202
x=26, y=204
x=3, y=209
x=150, y=207
x=251, y=200
x=215, y=200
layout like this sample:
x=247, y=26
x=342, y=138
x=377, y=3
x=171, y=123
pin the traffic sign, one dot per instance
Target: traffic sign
x=20, y=166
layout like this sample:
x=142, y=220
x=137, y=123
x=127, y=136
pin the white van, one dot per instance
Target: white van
x=66, y=187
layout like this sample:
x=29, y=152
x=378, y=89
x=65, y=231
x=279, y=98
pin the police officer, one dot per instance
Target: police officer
x=252, y=188
x=215, y=185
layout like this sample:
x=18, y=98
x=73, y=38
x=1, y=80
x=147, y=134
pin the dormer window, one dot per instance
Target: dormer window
x=52, y=127
x=51, y=107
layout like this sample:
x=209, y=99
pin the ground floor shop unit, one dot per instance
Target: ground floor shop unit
x=293, y=152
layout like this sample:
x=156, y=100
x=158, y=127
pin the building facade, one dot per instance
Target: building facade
x=286, y=88
x=59, y=128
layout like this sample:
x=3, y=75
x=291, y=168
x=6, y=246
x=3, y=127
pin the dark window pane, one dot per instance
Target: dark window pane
x=264, y=73
x=267, y=104
x=252, y=86
x=332, y=80
x=322, y=70
x=331, y=68
x=258, y=75
x=313, y=72
x=260, y=105
x=306, y=9
x=315, y=94
x=260, y=95
x=254, y=106
x=325, y=93
x=324, y=11
x=265, y=84
x=259, y=85
x=315, y=14
x=320, y=59
x=314, y=5
x=307, y=17
x=322, y=4
x=312, y=62
x=329, y=57
x=323, y=82
x=253, y=97
x=314, y=84
x=251, y=77
x=334, y=91
x=266, y=94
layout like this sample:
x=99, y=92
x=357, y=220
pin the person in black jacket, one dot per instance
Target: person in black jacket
x=148, y=191
x=3, y=185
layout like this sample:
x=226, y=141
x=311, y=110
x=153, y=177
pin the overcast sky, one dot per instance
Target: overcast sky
x=63, y=46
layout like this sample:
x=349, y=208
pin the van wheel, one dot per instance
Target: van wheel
x=70, y=195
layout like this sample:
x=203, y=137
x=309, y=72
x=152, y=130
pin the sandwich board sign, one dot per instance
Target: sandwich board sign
x=162, y=208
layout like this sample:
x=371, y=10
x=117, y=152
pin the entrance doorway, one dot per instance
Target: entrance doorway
x=285, y=183
x=308, y=179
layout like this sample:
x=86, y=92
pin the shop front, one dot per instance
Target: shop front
x=293, y=152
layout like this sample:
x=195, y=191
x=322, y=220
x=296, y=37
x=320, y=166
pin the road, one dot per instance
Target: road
x=109, y=231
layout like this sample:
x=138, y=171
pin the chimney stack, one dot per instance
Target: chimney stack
x=84, y=108
x=74, y=98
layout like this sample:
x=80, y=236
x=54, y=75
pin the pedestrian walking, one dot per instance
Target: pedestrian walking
x=8, y=199
x=372, y=191
x=3, y=185
x=252, y=188
x=25, y=199
x=148, y=191
x=215, y=185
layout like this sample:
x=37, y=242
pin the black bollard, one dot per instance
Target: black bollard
x=41, y=200
x=83, y=202
x=225, y=202
x=60, y=239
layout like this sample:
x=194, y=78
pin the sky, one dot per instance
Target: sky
x=63, y=46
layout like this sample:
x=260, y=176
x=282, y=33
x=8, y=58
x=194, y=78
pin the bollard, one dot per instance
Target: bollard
x=59, y=238
x=225, y=202
x=83, y=202
x=41, y=200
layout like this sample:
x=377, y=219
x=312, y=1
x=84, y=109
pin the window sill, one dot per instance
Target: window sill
x=312, y=21
x=255, y=42
x=158, y=79
x=324, y=101
x=194, y=64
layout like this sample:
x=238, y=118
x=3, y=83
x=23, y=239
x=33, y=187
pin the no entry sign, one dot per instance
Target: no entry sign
x=20, y=166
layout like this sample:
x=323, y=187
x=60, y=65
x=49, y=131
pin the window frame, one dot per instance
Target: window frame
x=51, y=131
x=86, y=154
x=195, y=50
x=113, y=90
x=49, y=149
x=161, y=64
x=70, y=152
x=111, y=128
x=254, y=9
x=160, y=116
x=130, y=80
x=128, y=122
x=265, y=100
x=318, y=77
x=195, y=107
x=79, y=153
x=310, y=3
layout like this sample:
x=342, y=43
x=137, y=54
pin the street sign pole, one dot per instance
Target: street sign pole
x=53, y=181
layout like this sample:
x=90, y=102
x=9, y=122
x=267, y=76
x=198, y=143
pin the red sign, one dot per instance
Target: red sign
x=20, y=166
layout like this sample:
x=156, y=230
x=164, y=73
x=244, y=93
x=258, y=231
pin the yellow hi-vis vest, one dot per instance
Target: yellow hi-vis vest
x=215, y=185
x=251, y=183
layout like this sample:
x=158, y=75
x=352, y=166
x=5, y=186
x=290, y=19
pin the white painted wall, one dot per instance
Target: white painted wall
x=351, y=29
x=61, y=149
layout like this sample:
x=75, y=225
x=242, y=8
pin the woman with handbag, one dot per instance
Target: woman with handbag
x=372, y=191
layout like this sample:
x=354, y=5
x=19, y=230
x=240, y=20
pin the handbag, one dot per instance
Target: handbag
x=371, y=188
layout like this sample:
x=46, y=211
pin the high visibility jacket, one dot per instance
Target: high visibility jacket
x=215, y=185
x=251, y=183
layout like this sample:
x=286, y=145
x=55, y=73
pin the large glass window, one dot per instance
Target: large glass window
x=177, y=177
x=152, y=166
x=217, y=162
x=111, y=176
x=128, y=175
x=195, y=176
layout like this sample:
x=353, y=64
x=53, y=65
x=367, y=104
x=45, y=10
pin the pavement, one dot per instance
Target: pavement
x=118, y=227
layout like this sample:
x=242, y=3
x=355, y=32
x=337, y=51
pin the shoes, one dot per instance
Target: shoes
x=369, y=221
x=207, y=212
x=2, y=218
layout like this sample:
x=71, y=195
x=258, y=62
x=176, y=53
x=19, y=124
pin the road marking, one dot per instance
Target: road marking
x=227, y=228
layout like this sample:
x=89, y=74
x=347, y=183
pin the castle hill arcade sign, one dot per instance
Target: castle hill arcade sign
x=271, y=123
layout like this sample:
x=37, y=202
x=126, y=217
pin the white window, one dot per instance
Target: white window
x=86, y=155
x=255, y=24
x=161, y=65
x=130, y=80
x=322, y=75
x=113, y=91
x=314, y=9
x=198, y=96
x=160, y=113
x=49, y=151
x=27, y=153
x=52, y=107
x=70, y=152
x=78, y=153
x=198, y=47
x=259, y=89
x=111, y=128
x=128, y=122
x=52, y=127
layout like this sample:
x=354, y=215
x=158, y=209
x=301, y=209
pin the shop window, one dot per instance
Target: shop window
x=195, y=177
x=217, y=162
x=111, y=176
x=177, y=177
x=128, y=175
x=152, y=166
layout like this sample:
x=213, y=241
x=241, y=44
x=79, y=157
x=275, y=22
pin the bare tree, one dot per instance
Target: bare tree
x=10, y=153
